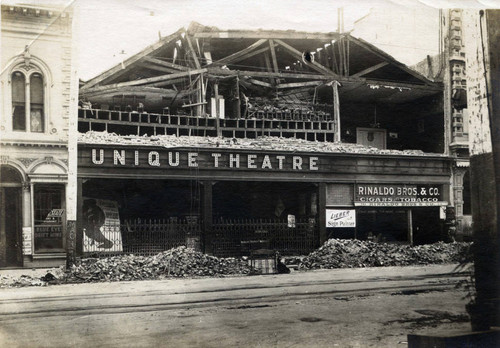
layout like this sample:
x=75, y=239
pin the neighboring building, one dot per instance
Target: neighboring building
x=38, y=91
x=235, y=139
x=449, y=67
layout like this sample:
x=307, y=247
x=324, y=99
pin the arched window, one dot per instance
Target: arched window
x=36, y=103
x=28, y=101
x=18, y=101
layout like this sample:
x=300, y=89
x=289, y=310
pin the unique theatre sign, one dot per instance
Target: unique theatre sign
x=202, y=160
x=398, y=195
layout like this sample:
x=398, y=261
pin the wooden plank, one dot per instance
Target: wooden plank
x=157, y=68
x=386, y=57
x=267, y=34
x=128, y=62
x=282, y=75
x=273, y=56
x=151, y=80
x=313, y=65
x=166, y=64
x=241, y=53
x=370, y=69
x=193, y=52
x=260, y=83
x=299, y=84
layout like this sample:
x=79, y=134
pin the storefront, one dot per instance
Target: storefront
x=229, y=198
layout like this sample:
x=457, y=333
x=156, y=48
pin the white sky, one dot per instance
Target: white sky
x=106, y=28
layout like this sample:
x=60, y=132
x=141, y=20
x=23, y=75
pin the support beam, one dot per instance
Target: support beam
x=151, y=80
x=193, y=52
x=299, y=84
x=165, y=64
x=322, y=212
x=410, y=226
x=119, y=67
x=158, y=68
x=370, y=69
x=79, y=217
x=243, y=53
x=266, y=34
x=273, y=56
x=226, y=72
x=207, y=220
x=260, y=83
x=313, y=65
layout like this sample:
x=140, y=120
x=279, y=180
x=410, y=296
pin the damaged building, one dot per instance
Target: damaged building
x=231, y=140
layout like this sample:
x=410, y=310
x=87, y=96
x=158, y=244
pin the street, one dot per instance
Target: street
x=369, y=307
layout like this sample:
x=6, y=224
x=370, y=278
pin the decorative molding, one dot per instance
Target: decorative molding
x=26, y=185
x=4, y=159
x=27, y=161
x=65, y=161
x=49, y=159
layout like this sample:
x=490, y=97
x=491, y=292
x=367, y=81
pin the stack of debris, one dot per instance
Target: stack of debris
x=347, y=253
x=177, y=262
x=261, y=143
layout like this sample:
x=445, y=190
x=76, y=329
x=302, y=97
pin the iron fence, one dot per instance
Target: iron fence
x=239, y=237
x=230, y=237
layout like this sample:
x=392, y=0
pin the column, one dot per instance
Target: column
x=322, y=212
x=207, y=217
x=27, y=219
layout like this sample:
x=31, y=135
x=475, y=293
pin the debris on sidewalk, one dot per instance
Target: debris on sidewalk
x=177, y=262
x=349, y=253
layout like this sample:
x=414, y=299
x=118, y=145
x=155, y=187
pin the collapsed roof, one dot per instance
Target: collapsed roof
x=266, y=61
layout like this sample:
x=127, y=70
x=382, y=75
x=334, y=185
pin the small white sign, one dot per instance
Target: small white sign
x=340, y=218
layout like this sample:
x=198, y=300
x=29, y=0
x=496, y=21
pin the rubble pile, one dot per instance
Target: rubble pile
x=177, y=262
x=260, y=143
x=343, y=253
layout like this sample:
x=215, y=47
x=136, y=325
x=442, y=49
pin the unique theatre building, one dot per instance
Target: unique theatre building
x=228, y=139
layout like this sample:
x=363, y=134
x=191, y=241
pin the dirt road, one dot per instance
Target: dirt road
x=370, y=307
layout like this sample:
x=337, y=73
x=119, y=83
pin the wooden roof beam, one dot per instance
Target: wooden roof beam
x=313, y=65
x=299, y=84
x=166, y=64
x=273, y=56
x=243, y=53
x=151, y=80
x=128, y=62
x=266, y=34
x=370, y=69
x=227, y=72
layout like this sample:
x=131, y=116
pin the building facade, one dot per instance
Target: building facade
x=238, y=139
x=38, y=91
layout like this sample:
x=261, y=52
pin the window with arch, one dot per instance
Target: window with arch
x=28, y=101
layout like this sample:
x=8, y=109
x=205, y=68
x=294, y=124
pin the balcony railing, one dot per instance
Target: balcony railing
x=310, y=126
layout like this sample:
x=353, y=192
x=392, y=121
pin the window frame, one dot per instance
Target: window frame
x=28, y=74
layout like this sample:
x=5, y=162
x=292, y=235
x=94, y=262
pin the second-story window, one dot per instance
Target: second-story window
x=18, y=101
x=28, y=102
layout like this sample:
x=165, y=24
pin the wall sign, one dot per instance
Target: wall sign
x=398, y=195
x=205, y=160
x=340, y=218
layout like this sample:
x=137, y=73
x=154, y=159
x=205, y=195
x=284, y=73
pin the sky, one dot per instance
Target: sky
x=109, y=31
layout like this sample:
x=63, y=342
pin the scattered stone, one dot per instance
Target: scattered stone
x=350, y=253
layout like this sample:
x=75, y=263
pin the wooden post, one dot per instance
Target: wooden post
x=322, y=212
x=217, y=109
x=207, y=217
x=410, y=226
x=238, y=100
x=336, y=110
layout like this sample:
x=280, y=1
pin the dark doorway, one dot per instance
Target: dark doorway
x=10, y=218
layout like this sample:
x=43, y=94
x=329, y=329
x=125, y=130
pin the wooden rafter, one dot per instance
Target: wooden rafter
x=165, y=64
x=193, y=52
x=266, y=34
x=151, y=80
x=157, y=68
x=243, y=53
x=313, y=65
x=386, y=57
x=299, y=84
x=226, y=72
x=370, y=69
x=273, y=56
x=128, y=62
